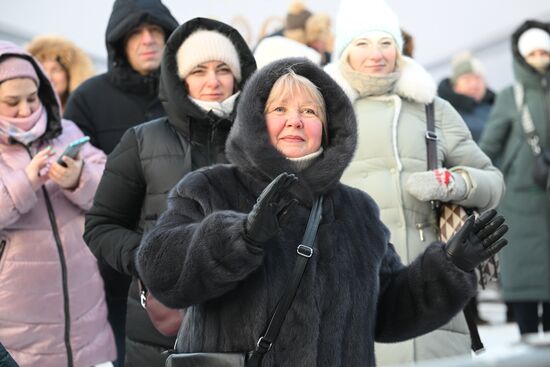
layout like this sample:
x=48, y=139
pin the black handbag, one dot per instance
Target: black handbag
x=254, y=358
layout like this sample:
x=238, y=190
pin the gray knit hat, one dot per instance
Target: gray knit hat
x=464, y=63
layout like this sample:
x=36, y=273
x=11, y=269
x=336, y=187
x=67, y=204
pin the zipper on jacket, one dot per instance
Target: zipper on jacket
x=214, y=122
x=2, y=247
x=63, y=263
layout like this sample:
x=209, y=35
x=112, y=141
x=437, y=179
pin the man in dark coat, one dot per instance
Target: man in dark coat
x=204, y=254
x=149, y=160
x=105, y=106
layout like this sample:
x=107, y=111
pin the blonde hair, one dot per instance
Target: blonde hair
x=289, y=85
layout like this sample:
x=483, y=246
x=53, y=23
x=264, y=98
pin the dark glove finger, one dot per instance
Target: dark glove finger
x=456, y=242
x=495, y=236
x=495, y=247
x=483, y=219
x=275, y=187
x=467, y=227
x=283, y=186
x=491, y=227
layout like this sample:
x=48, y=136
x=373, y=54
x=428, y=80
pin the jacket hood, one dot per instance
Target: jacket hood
x=46, y=93
x=172, y=91
x=248, y=146
x=50, y=47
x=460, y=101
x=415, y=83
x=126, y=15
x=524, y=72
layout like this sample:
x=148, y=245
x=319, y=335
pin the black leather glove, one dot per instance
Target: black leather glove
x=477, y=240
x=264, y=219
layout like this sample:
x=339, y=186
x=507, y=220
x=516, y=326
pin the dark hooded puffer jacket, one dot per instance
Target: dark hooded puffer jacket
x=525, y=263
x=354, y=289
x=105, y=106
x=150, y=159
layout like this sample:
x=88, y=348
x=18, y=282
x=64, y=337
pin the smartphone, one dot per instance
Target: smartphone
x=73, y=149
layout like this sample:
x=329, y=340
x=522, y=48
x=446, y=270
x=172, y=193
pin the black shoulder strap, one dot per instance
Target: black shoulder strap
x=431, y=146
x=431, y=137
x=304, y=251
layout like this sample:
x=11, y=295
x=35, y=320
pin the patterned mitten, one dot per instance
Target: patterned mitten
x=439, y=184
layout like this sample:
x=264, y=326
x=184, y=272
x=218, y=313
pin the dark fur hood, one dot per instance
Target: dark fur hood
x=248, y=145
x=172, y=92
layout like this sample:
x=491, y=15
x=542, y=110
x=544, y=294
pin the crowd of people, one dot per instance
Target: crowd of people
x=207, y=161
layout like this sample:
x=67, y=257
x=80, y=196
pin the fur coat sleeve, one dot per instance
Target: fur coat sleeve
x=201, y=251
x=421, y=297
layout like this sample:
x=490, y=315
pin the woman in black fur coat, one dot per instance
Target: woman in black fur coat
x=227, y=257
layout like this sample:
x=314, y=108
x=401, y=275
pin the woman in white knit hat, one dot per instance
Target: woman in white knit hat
x=525, y=266
x=389, y=92
x=203, y=68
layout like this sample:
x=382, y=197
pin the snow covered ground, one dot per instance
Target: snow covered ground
x=497, y=333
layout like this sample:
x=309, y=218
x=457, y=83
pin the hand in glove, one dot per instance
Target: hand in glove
x=439, y=184
x=477, y=240
x=263, y=221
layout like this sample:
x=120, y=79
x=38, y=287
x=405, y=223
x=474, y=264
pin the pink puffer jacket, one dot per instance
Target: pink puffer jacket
x=52, y=301
x=32, y=304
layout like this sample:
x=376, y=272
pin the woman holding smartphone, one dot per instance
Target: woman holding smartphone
x=52, y=303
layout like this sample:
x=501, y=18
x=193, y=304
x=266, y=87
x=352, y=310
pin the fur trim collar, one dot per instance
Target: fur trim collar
x=415, y=83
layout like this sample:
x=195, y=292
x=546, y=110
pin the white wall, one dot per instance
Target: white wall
x=440, y=28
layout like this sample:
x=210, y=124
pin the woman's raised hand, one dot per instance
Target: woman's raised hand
x=37, y=164
x=263, y=221
x=477, y=240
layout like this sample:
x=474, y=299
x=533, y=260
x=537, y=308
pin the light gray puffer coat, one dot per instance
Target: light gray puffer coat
x=391, y=147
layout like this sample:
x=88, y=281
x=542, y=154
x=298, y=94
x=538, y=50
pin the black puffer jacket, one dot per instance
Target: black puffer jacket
x=105, y=106
x=355, y=288
x=150, y=159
